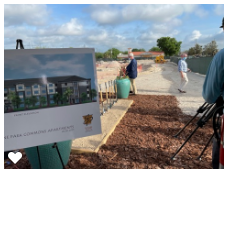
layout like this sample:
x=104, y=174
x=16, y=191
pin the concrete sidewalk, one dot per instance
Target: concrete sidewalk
x=166, y=82
x=163, y=82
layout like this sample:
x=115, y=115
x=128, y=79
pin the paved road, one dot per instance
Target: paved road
x=166, y=82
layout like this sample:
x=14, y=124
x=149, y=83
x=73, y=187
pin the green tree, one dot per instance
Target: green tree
x=198, y=49
x=111, y=53
x=99, y=55
x=15, y=99
x=211, y=48
x=93, y=93
x=191, y=51
x=68, y=93
x=27, y=102
x=43, y=101
x=135, y=49
x=155, y=49
x=56, y=98
x=63, y=99
x=169, y=45
x=33, y=100
x=83, y=96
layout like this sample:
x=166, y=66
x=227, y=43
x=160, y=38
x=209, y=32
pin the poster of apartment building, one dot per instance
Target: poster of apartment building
x=50, y=95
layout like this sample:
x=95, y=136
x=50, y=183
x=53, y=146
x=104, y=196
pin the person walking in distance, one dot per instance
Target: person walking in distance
x=213, y=92
x=183, y=69
x=132, y=73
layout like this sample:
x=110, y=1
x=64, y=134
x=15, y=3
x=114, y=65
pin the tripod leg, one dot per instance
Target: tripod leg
x=185, y=125
x=199, y=158
x=184, y=143
x=201, y=109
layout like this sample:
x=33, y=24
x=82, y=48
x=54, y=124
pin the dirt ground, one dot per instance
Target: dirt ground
x=144, y=137
x=144, y=140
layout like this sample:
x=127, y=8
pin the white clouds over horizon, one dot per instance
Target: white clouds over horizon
x=106, y=26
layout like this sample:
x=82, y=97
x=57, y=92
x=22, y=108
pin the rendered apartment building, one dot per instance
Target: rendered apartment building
x=47, y=87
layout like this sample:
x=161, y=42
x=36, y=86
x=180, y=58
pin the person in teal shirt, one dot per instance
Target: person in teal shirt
x=213, y=86
x=213, y=91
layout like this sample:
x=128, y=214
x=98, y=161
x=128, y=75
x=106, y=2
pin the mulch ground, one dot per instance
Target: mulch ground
x=144, y=140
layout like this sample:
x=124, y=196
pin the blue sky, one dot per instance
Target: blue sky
x=111, y=26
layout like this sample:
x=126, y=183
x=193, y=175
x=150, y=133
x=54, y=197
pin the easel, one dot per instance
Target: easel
x=55, y=145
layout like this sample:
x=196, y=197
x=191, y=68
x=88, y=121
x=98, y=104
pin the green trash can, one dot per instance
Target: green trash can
x=123, y=87
x=48, y=155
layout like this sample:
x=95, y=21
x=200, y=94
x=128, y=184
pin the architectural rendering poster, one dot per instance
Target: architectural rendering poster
x=50, y=95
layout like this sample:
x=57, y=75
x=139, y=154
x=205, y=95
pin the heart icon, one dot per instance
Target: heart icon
x=15, y=156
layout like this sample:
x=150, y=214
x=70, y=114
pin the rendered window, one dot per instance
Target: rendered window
x=35, y=86
x=51, y=90
x=36, y=92
x=28, y=93
x=28, y=87
x=50, y=85
x=43, y=91
x=12, y=89
x=5, y=90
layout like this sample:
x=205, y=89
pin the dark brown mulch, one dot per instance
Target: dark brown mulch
x=144, y=139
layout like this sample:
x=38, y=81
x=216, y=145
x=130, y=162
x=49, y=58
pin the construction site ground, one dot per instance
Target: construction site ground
x=138, y=132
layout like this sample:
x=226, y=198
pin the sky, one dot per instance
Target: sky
x=40, y=64
x=120, y=26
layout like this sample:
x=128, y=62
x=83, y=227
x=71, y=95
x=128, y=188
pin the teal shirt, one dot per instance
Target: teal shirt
x=213, y=86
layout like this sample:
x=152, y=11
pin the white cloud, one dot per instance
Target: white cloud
x=70, y=28
x=219, y=9
x=195, y=35
x=33, y=15
x=106, y=14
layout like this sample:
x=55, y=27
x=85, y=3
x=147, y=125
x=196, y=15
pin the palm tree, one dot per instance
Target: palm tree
x=68, y=93
x=56, y=98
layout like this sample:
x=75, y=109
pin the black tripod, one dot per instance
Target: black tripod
x=19, y=43
x=209, y=111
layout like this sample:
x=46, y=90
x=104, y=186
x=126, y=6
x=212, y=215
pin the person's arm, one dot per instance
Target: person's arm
x=129, y=67
x=213, y=86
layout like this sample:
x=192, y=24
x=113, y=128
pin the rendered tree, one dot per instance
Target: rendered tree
x=63, y=99
x=56, y=98
x=27, y=102
x=83, y=96
x=68, y=93
x=93, y=93
x=15, y=99
x=43, y=101
x=33, y=100
x=169, y=45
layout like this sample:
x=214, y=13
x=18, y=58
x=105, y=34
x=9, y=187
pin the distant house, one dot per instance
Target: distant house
x=141, y=54
x=47, y=88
